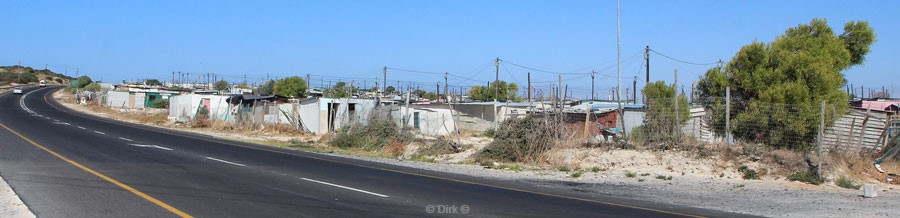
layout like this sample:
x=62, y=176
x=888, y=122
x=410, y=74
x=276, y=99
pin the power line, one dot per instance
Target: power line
x=539, y=70
x=686, y=62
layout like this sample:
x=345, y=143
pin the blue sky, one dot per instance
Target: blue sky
x=354, y=40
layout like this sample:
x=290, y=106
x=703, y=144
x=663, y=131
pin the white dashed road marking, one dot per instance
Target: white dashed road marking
x=101, y=133
x=345, y=187
x=126, y=139
x=81, y=127
x=152, y=146
x=225, y=161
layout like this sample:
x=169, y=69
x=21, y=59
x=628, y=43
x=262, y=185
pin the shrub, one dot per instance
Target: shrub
x=748, y=173
x=810, y=176
x=847, y=183
x=522, y=140
x=513, y=167
x=159, y=103
x=645, y=174
x=597, y=169
x=93, y=87
x=564, y=168
x=489, y=133
x=576, y=174
x=441, y=146
x=630, y=174
x=379, y=132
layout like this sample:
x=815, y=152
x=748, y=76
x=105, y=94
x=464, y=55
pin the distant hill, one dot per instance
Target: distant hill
x=20, y=74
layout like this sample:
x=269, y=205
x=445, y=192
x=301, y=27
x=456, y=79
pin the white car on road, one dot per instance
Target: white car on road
x=17, y=91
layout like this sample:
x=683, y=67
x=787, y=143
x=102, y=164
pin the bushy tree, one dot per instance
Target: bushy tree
x=484, y=93
x=432, y=96
x=26, y=77
x=220, y=85
x=83, y=81
x=779, y=86
x=93, y=87
x=153, y=82
x=267, y=88
x=659, y=118
x=339, y=90
x=389, y=90
x=294, y=87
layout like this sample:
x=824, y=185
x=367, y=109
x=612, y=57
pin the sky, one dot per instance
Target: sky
x=339, y=40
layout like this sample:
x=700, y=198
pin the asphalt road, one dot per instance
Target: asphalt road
x=67, y=164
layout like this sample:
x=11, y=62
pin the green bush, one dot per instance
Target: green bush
x=379, y=133
x=810, y=176
x=441, y=146
x=159, y=103
x=748, y=173
x=630, y=174
x=93, y=87
x=522, y=140
x=576, y=174
x=847, y=183
x=489, y=133
x=564, y=168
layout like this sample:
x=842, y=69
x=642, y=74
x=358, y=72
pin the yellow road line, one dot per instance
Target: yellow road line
x=147, y=197
x=384, y=169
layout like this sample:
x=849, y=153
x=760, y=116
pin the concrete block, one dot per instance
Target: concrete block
x=869, y=191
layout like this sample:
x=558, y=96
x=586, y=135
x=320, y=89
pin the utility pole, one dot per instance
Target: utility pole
x=647, y=61
x=619, y=118
x=592, y=84
x=446, y=87
x=558, y=90
x=675, y=129
x=307, y=82
x=496, y=79
x=384, y=71
x=529, y=86
x=634, y=88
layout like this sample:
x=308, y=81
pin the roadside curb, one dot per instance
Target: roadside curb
x=10, y=203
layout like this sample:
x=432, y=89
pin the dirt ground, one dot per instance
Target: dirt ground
x=684, y=177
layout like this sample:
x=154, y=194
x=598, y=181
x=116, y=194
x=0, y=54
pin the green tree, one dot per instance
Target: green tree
x=659, y=117
x=432, y=96
x=339, y=90
x=153, y=82
x=507, y=92
x=294, y=87
x=220, y=85
x=27, y=77
x=267, y=88
x=420, y=93
x=94, y=87
x=83, y=81
x=389, y=90
x=779, y=86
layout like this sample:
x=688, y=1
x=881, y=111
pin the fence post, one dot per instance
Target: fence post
x=819, y=141
x=728, y=116
x=676, y=131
